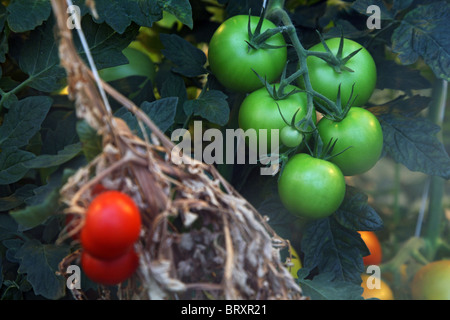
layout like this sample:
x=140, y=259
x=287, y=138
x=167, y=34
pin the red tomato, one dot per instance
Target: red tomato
x=110, y=272
x=112, y=225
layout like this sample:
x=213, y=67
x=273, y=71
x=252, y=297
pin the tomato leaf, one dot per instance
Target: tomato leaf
x=325, y=287
x=181, y=9
x=356, y=214
x=404, y=105
x=38, y=54
x=15, y=200
x=91, y=141
x=412, y=141
x=26, y=15
x=161, y=112
x=120, y=14
x=53, y=160
x=188, y=59
x=12, y=167
x=210, y=105
x=23, y=121
x=330, y=247
x=40, y=262
x=423, y=32
x=392, y=75
x=32, y=216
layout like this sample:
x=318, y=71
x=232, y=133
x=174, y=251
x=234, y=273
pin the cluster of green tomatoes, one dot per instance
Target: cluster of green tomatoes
x=311, y=184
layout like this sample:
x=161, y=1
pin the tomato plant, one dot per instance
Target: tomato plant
x=359, y=134
x=234, y=59
x=432, y=281
x=260, y=111
x=356, y=76
x=311, y=187
x=112, y=224
x=374, y=246
x=390, y=146
x=112, y=271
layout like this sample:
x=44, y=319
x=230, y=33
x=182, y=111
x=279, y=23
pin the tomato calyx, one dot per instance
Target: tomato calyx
x=336, y=111
x=335, y=60
x=257, y=40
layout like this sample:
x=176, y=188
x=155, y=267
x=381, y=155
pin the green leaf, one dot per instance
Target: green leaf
x=332, y=248
x=26, y=15
x=91, y=141
x=119, y=14
x=188, y=59
x=23, y=121
x=12, y=167
x=324, y=287
x=362, y=5
x=211, y=105
x=40, y=262
x=179, y=8
x=174, y=86
x=391, y=75
x=38, y=57
x=34, y=215
x=423, y=32
x=404, y=105
x=161, y=112
x=412, y=141
x=49, y=160
x=105, y=44
x=356, y=214
x=38, y=54
x=16, y=199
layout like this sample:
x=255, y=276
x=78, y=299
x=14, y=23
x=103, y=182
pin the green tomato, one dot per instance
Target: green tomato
x=432, y=282
x=310, y=187
x=260, y=111
x=291, y=137
x=139, y=64
x=361, y=131
x=231, y=60
x=325, y=80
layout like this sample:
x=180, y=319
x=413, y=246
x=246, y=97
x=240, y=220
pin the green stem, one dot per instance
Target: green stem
x=435, y=208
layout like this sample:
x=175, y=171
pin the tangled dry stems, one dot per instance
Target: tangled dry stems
x=200, y=239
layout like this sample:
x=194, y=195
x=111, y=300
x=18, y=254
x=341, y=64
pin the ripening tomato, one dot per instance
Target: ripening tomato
x=374, y=246
x=112, y=225
x=375, y=288
x=325, y=79
x=231, y=60
x=110, y=272
x=432, y=281
x=311, y=187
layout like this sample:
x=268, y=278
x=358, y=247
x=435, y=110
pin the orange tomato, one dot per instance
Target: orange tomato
x=374, y=246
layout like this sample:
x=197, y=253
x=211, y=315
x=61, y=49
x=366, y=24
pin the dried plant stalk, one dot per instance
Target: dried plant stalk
x=200, y=238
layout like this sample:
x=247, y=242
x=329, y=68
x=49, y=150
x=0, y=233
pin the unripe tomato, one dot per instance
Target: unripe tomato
x=325, y=79
x=383, y=292
x=310, y=187
x=112, y=225
x=232, y=61
x=374, y=246
x=432, y=282
x=110, y=272
x=139, y=64
x=359, y=134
